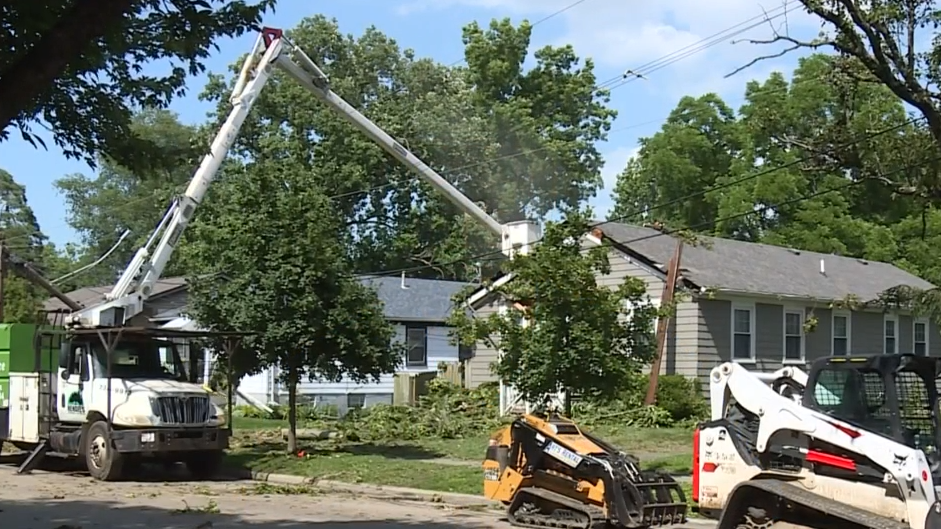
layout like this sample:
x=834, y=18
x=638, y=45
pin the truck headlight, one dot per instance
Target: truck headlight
x=123, y=416
x=217, y=417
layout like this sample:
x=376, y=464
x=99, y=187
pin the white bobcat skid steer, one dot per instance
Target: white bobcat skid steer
x=852, y=445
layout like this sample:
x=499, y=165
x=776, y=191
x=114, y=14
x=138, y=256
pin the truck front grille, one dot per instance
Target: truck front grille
x=182, y=410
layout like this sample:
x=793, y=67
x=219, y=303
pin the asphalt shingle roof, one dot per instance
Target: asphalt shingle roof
x=422, y=300
x=89, y=296
x=766, y=269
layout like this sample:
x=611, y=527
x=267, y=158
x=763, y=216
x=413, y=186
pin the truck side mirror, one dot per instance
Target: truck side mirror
x=65, y=357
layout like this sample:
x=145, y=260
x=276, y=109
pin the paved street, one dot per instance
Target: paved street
x=46, y=500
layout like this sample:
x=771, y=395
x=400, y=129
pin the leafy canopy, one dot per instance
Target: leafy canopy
x=80, y=68
x=564, y=330
x=266, y=257
x=515, y=140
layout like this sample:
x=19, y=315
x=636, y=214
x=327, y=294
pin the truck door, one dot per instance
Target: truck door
x=74, y=390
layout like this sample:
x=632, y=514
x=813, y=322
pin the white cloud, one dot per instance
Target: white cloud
x=631, y=34
x=615, y=161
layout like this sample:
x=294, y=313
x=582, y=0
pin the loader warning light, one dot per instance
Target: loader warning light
x=709, y=467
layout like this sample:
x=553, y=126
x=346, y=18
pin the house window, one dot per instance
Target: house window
x=355, y=400
x=793, y=335
x=890, y=334
x=920, y=338
x=416, y=341
x=743, y=332
x=841, y=334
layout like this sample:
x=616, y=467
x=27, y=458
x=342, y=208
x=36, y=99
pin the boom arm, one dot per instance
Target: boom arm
x=137, y=282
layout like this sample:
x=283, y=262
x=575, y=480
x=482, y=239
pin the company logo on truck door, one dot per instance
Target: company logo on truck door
x=75, y=403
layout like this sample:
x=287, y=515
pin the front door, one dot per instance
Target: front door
x=75, y=390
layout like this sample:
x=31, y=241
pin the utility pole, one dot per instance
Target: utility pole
x=663, y=323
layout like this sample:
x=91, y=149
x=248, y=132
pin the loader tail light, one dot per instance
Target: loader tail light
x=695, y=487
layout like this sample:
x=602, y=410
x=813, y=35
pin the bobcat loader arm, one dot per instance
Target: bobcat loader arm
x=803, y=457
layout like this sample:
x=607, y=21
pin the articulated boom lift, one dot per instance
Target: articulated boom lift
x=853, y=444
x=271, y=49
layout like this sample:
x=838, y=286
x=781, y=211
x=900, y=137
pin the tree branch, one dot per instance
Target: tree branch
x=795, y=45
x=35, y=71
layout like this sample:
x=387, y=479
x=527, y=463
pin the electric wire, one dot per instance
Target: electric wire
x=699, y=46
x=725, y=185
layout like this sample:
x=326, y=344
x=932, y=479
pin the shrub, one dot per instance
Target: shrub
x=681, y=397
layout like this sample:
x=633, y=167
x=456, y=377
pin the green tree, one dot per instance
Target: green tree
x=78, y=67
x=268, y=258
x=474, y=124
x=563, y=331
x=20, y=232
x=788, y=141
x=891, y=43
x=100, y=208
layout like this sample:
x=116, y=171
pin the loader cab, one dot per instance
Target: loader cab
x=895, y=396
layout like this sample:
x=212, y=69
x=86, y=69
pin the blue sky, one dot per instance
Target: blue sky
x=617, y=35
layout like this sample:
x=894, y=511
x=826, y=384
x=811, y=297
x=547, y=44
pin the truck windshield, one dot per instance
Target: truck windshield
x=140, y=359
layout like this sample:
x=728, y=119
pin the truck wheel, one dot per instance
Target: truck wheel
x=104, y=462
x=204, y=464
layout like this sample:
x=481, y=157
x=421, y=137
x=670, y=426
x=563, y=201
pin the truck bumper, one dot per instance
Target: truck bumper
x=170, y=440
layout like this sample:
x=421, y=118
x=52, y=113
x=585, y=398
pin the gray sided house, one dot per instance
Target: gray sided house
x=418, y=308
x=764, y=306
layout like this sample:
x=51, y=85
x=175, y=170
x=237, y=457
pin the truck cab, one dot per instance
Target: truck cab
x=114, y=397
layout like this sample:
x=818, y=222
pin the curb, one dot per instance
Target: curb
x=378, y=491
x=451, y=499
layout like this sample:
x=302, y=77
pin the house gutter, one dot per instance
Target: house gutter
x=767, y=296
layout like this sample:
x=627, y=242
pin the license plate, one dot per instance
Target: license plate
x=148, y=437
x=563, y=454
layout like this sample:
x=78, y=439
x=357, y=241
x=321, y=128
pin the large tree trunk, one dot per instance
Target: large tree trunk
x=35, y=72
x=292, y=412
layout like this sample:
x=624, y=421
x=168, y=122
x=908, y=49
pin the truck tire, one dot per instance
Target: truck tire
x=204, y=464
x=103, y=461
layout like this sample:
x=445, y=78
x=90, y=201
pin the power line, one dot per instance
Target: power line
x=763, y=209
x=536, y=23
x=478, y=257
x=766, y=172
x=698, y=46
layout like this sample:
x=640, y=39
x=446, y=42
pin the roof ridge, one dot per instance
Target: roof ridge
x=726, y=240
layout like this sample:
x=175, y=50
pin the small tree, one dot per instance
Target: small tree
x=578, y=335
x=270, y=243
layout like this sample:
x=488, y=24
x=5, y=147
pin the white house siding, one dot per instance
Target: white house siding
x=338, y=393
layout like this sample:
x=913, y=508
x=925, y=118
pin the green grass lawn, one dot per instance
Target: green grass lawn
x=366, y=468
x=258, y=445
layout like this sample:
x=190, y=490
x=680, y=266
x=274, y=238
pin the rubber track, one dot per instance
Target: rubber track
x=591, y=516
x=801, y=496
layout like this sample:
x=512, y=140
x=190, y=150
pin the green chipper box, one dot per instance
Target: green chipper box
x=23, y=351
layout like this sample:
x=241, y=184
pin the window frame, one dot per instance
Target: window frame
x=849, y=331
x=895, y=324
x=915, y=323
x=408, y=347
x=351, y=406
x=750, y=308
x=802, y=316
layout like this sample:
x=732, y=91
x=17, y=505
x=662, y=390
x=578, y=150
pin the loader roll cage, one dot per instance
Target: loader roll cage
x=895, y=396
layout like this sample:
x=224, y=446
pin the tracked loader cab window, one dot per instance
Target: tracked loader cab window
x=891, y=395
x=853, y=395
